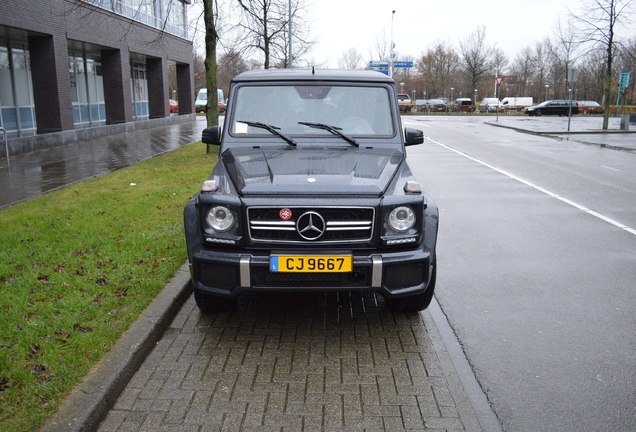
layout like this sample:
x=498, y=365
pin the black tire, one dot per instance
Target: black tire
x=418, y=302
x=208, y=303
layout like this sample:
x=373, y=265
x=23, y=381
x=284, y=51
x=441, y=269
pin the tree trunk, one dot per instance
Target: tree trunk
x=610, y=53
x=212, y=112
x=606, y=90
x=265, y=39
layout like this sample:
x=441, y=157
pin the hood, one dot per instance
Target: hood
x=302, y=170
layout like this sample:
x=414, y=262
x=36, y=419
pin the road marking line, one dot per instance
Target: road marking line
x=416, y=124
x=610, y=168
x=541, y=189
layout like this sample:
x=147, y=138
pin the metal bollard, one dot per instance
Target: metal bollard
x=625, y=122
x=6, y=145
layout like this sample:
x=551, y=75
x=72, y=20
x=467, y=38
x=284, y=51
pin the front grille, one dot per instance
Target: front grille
x=341, y=224
x=263, y=278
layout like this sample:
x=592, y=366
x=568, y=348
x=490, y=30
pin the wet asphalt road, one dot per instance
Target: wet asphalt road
x=536, y=275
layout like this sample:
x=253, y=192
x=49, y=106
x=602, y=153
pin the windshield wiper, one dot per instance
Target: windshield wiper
x=333, y=129
x=273, y=129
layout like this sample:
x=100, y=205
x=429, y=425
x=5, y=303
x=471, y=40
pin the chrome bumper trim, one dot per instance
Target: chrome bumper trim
x=244, y=266
x=376, y=275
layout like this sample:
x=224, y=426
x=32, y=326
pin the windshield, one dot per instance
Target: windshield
x=354, y=110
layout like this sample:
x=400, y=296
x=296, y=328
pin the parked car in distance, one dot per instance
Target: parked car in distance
x=405, y=103
x=590, y=107
x=489, y=105
x=201, y=102
x=560, y=107
x=420, y=105
x=174, y=106
x=465, y=105
x=516, y=103
x=437, y=105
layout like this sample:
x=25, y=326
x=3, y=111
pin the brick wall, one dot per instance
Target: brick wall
x=51, y=25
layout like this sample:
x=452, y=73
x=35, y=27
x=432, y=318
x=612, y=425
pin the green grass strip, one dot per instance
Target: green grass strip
x=77, y=266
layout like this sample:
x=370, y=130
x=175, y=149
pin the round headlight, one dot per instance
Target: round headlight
x=220, y=218
x=401, y=218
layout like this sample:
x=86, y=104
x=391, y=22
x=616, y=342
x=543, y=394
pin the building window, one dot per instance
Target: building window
x=139, y=89
x=166, y=15
x=17, y=109
x=87, y=89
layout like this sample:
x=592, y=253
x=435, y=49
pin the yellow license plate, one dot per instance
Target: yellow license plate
x=311, y=263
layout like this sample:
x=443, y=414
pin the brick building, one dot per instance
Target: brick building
x=68, y=65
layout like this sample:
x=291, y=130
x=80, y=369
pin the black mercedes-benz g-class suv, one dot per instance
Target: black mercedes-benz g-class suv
x=312, y=192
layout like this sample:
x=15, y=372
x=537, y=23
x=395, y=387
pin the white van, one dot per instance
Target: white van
x=516, y=103
x=201, y=102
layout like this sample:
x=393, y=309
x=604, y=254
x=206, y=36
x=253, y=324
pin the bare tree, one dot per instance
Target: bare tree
x=541, y=58
x=437, y=66
x=351, y=59
x=591, y=74
x=564, y=52
x=597, y=22
x=627, y=63
x=229, y=65
x=475, y=56
x=198, y=68
x=524, y=69
x=380, y=50
x=265, y=25
x=498, y=67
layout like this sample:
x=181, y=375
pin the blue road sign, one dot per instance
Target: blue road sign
x=403, y=64
x=623, y=80
x=379, y=64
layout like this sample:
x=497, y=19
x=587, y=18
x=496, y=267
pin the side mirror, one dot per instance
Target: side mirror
x=211, y=135
x=413, y=136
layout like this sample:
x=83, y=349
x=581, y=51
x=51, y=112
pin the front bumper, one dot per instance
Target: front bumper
x=393, y=274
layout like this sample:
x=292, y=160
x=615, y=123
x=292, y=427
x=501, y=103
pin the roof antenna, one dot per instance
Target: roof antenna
x=313, y=72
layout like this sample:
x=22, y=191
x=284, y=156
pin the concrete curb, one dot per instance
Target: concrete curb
x=89, y=403
x=587, y=132
x=557, y=135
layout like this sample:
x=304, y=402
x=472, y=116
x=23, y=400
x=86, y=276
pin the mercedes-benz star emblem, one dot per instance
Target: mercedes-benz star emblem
x=310, y=225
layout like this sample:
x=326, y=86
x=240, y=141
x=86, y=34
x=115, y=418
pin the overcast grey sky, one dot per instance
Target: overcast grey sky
x=338, y=25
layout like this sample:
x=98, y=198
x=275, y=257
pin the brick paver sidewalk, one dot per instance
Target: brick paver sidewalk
x=291, y=362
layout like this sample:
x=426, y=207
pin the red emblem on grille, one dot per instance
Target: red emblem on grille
x=285, y=214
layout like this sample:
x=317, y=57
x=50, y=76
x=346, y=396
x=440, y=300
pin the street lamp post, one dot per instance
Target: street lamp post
x=402, y=88
x=547, y=87
x=475, y=102
x=451, y=101
x=569, y=108
x=290, y=57
x=391, y=48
